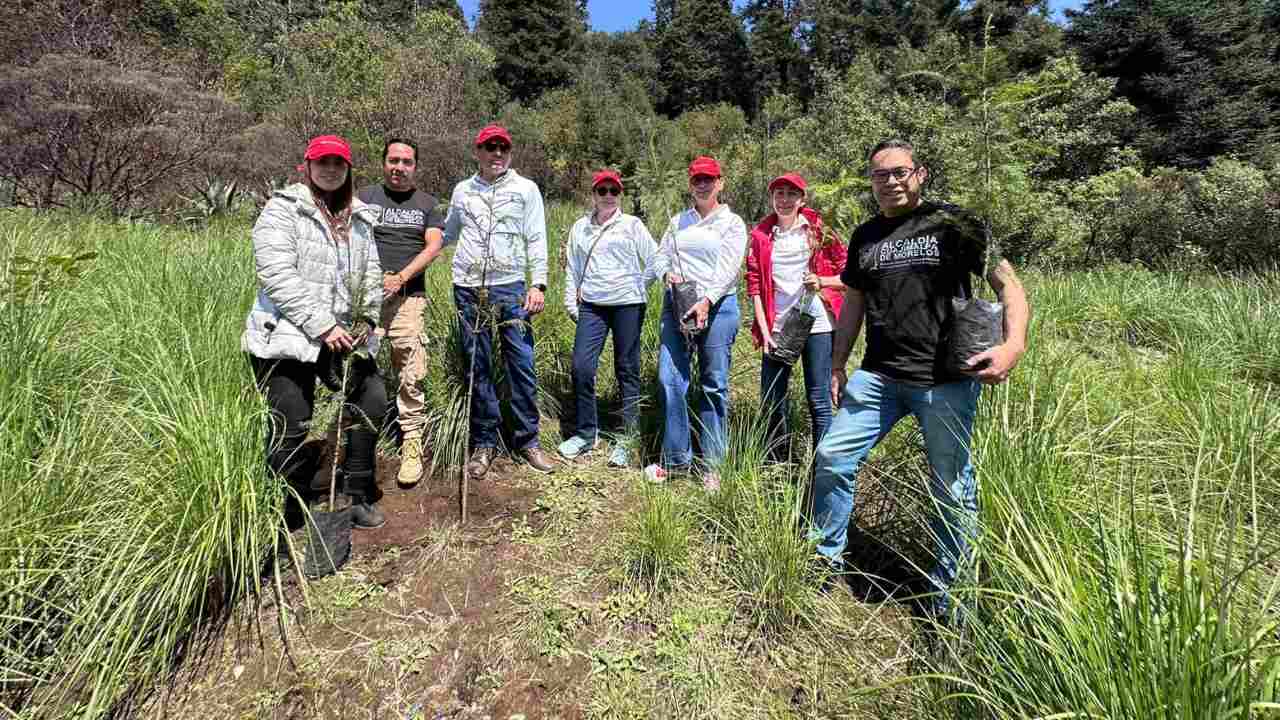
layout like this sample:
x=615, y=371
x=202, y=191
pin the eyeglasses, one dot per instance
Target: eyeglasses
x=603, y=190
x=898, y=173
x=495, y=146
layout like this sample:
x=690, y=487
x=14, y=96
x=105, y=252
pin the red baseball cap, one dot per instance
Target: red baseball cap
x=703, y=165
x=792, y=179
x=322, y=145
x=606, y=175
x=490, y=132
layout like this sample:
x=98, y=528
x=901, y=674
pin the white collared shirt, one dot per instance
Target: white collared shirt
x=608, y=263
x=790, y=264
x=707, y=250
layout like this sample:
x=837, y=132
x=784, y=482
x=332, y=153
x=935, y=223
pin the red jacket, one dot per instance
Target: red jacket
x=828, y=260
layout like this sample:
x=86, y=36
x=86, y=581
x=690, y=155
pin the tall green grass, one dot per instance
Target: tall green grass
x=130, y=463
x=1127, y=566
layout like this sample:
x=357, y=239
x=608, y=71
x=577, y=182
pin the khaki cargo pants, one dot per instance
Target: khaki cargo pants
x=402, y=319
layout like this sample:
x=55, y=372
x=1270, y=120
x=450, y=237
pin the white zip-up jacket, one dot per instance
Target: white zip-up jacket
x=500, y=230
x=616, y=271
x=711, y=250
x=300, y=292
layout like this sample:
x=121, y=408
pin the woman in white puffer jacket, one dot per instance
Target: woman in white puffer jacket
x=318, y=274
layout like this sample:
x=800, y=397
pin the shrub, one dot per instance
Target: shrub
x=86, y=130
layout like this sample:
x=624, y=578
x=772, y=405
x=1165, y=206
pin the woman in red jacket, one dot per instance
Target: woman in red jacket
x=793, y=265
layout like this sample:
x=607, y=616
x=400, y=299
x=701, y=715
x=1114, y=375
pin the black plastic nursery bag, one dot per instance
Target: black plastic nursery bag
x=978, y=326
x=789, y=337
x=684, y=295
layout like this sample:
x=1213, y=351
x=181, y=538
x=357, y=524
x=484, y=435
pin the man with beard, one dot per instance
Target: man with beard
x=409, y=237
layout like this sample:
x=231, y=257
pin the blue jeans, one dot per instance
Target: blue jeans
x=507, y=304
x=714, y=346
x=870, y=407
x=595, y=322
x=774, y=377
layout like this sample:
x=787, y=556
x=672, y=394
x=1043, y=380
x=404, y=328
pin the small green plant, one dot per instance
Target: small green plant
x=32, y=277
x=656, y=539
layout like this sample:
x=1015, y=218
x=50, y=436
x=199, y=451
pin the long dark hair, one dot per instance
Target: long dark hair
x=339, y=199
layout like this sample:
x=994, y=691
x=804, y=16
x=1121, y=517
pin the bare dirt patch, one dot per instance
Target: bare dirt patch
x=416, y=626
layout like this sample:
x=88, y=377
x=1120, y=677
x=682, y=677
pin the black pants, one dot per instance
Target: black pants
x=290, y=388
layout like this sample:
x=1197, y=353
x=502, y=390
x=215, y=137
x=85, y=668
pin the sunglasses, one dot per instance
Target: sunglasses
x=495, y=146
x=603, y=190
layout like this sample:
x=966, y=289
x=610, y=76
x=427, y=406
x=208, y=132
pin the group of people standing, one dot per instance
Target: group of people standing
x=328, y=257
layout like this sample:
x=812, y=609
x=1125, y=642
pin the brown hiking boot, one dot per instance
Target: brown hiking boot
x=537, y=459
x=480, y=461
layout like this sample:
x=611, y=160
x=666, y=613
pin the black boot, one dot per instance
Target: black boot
x=295, y=463
x=360, y=483
x=364, y=510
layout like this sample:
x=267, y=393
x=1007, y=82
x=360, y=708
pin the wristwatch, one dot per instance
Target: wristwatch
x=541, y=287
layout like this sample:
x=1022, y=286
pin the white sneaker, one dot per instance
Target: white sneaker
x=711, y=482
x=577, y=445
x=655, y=474
x=620, y=456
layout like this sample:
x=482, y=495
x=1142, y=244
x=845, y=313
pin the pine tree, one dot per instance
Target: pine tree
x=840, y=29
x=703, y=56
x=1203, y=75
x=538, y=42
x=779, y=62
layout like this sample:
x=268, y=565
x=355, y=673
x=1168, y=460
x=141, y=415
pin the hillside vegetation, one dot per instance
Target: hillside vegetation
x=1128, y=565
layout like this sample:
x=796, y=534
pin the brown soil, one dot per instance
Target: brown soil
x=432, y=636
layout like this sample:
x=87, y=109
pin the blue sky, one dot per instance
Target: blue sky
x=613, y=15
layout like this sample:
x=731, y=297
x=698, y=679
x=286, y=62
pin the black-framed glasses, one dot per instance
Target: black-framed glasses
x=898, y=173
x=495, y=146
x=603, y=190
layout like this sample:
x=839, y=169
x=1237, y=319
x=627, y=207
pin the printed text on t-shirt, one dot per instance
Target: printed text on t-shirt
x=907, y=252
x=403, y=217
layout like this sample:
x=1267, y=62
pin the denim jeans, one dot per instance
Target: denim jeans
x=774, y=377
x=595, y=322
x=870, y=407
x=714, y=346
x=507, y=305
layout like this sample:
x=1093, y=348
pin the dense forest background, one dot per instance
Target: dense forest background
x=1134, y=130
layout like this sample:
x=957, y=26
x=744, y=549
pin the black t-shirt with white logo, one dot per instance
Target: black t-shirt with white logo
x=402, y=225
x=908, y=269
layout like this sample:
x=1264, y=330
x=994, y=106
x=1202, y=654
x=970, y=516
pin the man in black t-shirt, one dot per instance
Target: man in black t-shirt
x=905, y=265
x=409, y=236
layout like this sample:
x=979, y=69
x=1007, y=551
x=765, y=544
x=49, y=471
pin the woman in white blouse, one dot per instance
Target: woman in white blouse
x=793, y=266
x=704, y=246
x=608, y=263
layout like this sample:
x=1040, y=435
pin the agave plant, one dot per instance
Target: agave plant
x=217, y=198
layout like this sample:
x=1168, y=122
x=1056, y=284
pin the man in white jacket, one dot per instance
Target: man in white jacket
x=497, y=220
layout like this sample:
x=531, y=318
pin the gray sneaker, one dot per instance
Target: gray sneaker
x=577, y=445
x=619, y=457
